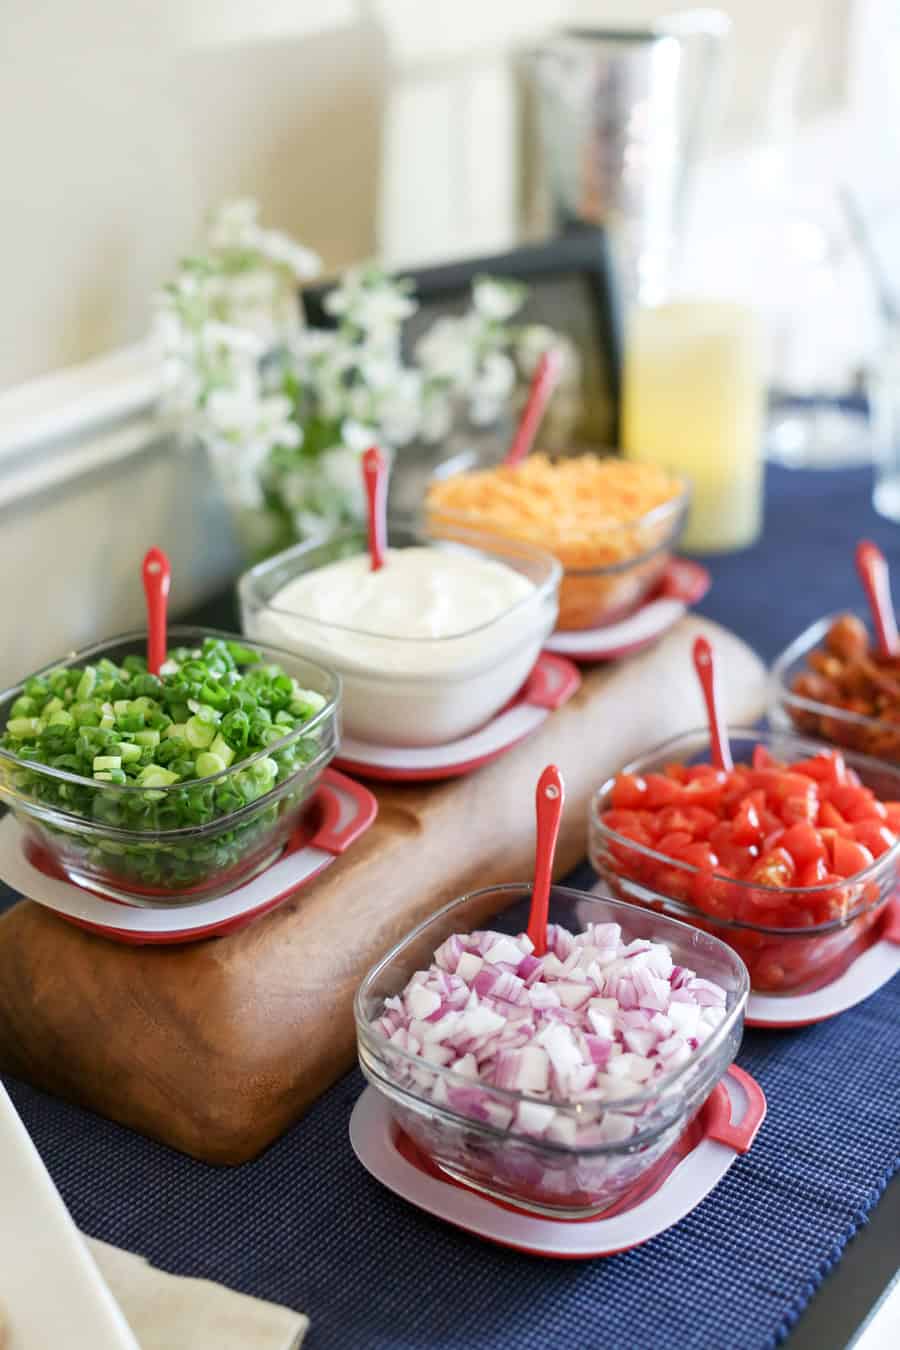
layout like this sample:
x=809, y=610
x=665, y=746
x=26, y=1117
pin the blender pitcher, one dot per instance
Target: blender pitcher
x=621, y=115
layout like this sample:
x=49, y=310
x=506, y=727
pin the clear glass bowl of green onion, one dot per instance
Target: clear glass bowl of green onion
x=166, y=789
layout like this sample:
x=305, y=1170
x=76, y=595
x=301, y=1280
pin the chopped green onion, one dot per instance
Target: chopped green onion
x=207, y=764
x=86, y=684
x=198, y=733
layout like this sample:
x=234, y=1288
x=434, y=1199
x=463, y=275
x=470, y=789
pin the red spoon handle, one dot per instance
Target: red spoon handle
x=157, y=575
x=872, y=567
x=375, y=475
x=705, y=666
x=549, y=801
x=543, y=383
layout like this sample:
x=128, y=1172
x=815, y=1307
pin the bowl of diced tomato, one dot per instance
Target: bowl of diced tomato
x=790, y=857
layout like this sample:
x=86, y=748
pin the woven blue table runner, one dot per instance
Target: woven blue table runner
x=306, y=1225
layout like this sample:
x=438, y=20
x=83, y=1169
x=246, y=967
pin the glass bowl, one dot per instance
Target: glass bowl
x=851, y=730
x=626, y=562
x=412, y=691
x=781, y=960
x=75, y=822
x=470, y=1130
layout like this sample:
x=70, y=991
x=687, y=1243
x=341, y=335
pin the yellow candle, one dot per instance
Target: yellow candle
x=693, y=402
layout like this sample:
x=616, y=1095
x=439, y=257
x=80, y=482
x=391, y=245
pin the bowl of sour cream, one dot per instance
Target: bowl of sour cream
x=430, y=646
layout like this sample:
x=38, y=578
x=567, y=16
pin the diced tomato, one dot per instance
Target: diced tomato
x=768, y=825
x=812, y=873
x=867, y=810
x=620, y=820
x=775, y=868
x=804, y=843
x=673, y=881
x=846, y=798
x=790, y=784
x=827, y=767
x=671, y=844
x=745, y=825
x=677, y=772
x=828, y=835
x=661, y=791
x=875, y=835
x=701, y=792
x=803, y=807
x=705, y=771
x=850, y=857
x=678, y=819
x=699, y=855
x=629, y=791
x=713, y=895
x=761, y=759
x=832, y=818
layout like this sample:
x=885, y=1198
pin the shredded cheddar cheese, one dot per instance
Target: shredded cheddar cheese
x=592, y=513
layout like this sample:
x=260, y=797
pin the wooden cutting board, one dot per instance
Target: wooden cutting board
x=216, y=1047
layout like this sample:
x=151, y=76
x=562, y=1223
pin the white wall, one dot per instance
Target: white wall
x=358, y=123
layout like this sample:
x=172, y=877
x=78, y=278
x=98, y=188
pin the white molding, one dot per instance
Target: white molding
x=69, y=403
x=97, y=450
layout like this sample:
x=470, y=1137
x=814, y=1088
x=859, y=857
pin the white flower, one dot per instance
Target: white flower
x=491, y=389
x=357, y=436
x=534, y=340
x=400, y=407
x=437, y=416
x=239, y=341
x=281, y=249
x=341, y=470
x=233, y=224
x=446, y=351
x=496, y=378
x=370, y=301
x=498, y=300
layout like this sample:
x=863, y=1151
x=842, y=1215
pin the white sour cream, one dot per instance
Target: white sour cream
x=429, y=647
x=418, y=593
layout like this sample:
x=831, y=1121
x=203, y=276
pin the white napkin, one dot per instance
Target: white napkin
x=168, y=1312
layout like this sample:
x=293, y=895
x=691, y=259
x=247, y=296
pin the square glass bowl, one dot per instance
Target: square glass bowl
x=469, y=1130
x=831, y=922
x=198, y=839
x=631, y=558
x=411, y=691
x=874, y=736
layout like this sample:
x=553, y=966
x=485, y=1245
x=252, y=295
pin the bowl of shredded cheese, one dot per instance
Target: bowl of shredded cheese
x=612, y=524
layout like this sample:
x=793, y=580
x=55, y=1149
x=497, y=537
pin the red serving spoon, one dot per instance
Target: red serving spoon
x=375, y=475
x=549, y=800
x=872, y=567
x=705, y=666
x=157, y=575
x=543, y=383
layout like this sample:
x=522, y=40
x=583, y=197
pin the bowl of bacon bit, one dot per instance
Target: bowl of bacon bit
x=612, y=524
x=834, y=683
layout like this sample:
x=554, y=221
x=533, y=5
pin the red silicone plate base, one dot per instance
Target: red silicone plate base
x=551, y=684
x=337, y=814
x=725, y=1127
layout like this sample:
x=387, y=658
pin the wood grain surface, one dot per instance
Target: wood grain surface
x=216, y=1047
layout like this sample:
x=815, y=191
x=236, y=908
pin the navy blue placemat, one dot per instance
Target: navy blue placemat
x=305, y=1225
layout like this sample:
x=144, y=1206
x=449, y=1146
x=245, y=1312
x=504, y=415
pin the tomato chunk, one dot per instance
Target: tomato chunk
x=791, y=834
x=629, y=791
x=850, y=857
x=876, y=836
x=804, y=844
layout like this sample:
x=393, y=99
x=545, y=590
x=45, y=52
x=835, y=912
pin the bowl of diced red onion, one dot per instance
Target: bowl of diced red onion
x=552, y=1083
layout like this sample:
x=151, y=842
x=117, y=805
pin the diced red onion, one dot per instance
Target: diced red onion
x=593, y=1021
